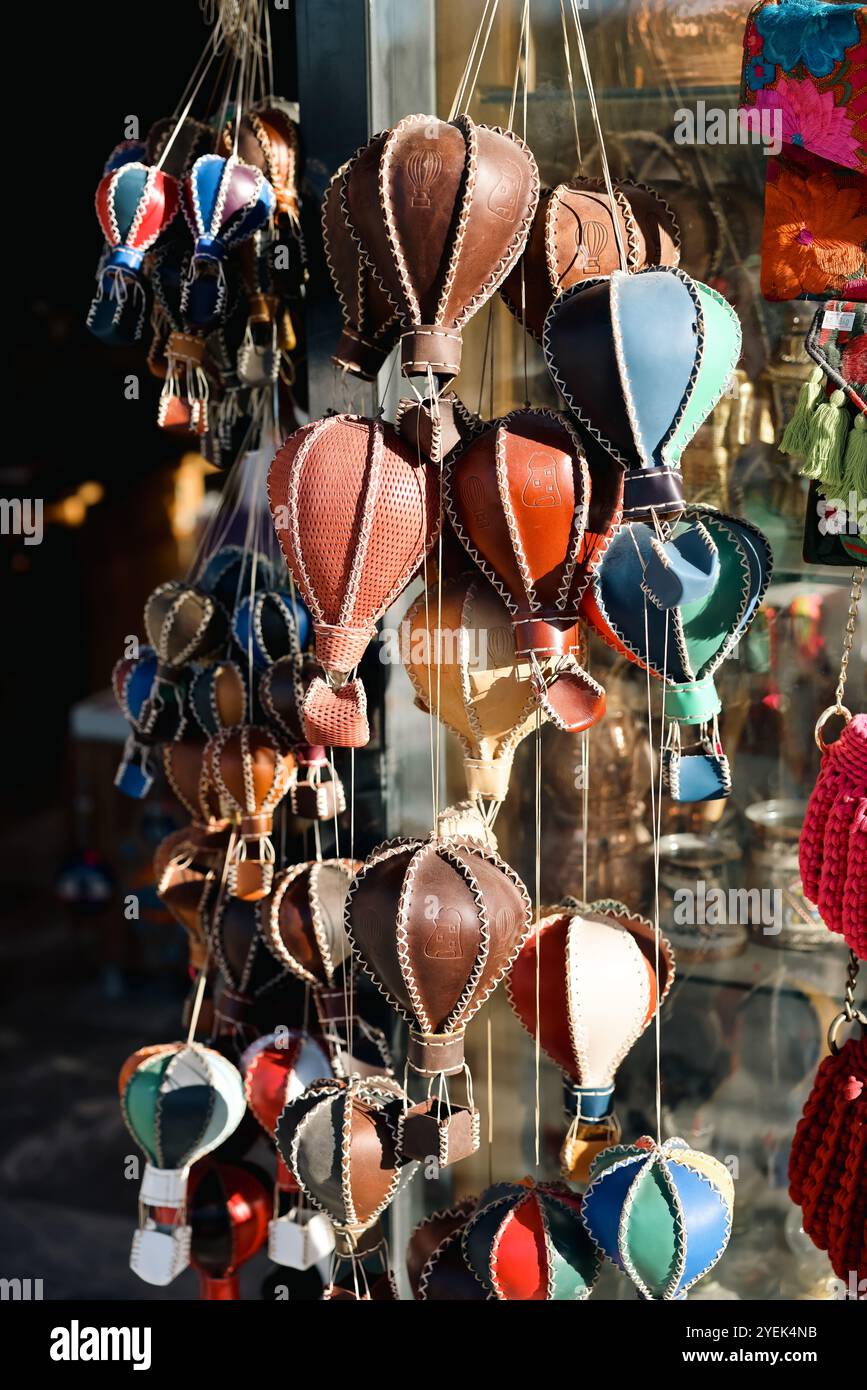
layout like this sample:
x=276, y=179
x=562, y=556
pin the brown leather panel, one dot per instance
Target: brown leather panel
x=507, y=916
x=373, y=916
x=425, y=164
x=373, y=1161
x=365, y=211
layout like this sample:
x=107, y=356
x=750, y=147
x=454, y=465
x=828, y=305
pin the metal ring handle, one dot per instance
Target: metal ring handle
x=837, y=1022
x=822, y=721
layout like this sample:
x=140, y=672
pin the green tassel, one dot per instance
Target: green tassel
x=855, y=461
x=794, y=440
x=826, y=443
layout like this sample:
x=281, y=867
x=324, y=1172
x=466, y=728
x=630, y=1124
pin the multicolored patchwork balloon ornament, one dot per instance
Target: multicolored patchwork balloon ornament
x=526, y=1242
x=134, y=204
x=661, y=1213
x=224, y=201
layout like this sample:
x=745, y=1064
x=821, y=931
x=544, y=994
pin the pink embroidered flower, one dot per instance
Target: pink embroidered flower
x=811, y=119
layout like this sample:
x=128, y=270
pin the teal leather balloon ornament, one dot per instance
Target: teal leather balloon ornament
x=661, y=1213
x=641, y=359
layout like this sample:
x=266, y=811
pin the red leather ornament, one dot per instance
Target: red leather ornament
x=833, y=848
x=352, y=557
x=228, y=1208
x=537, y=514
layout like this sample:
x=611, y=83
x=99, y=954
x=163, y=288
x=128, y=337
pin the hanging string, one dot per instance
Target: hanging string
x=522, y=40
x=538, y=908
x=600, y=139
x=203, y=972
x=466, y=88
x=567, y=50
x=490, y=1085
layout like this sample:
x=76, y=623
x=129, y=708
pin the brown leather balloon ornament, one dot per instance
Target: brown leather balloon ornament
x=437, y=924
x=251, y=775
x=442, y=210
x=355, y=514
x=572, y=239
x=371, y=322
x=537, y=516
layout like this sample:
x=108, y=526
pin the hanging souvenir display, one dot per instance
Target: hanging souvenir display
x=643, y=396
x=527, y=1242
x=441, y=210
x=661, y=1212
x=535, y=518
x=218, y=697
x=179, y=1102
x=224, y=201
x=601, y=977
x=252, y=987
x=351, y=565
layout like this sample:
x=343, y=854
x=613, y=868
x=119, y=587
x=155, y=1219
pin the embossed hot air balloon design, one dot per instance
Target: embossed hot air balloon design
x=441, y=210
x=573, y=239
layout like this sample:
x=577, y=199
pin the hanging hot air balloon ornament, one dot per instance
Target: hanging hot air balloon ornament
x=435, y=1260
x=661, y=1212
x=437, y=924
x=341, y=1141
x=185, y=865
x=277, y=1069
x=251, y=775
x=183, y=624
x=268, y=139
x=224, y=201
x=316, y=792
x=683, y=645
x=643, y=395
x=218, y=697
x=536, y=514
x=351, y=561
x=186, y=774
x=526, y=1241
x=371, y=323
x=573, y=239
x=155, y=711
x=270, y=624
x=253, y=988
x=234, y=570
x=302, y=922
x=179, y=1102
x=599, y=988
x=435, y=425
x=134, y=204
x=458, y=648
x=442, y=210
x=228, y=1209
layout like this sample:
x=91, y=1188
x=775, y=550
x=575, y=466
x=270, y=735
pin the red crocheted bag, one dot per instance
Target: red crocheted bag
x=833, y=848
x=828, y=1161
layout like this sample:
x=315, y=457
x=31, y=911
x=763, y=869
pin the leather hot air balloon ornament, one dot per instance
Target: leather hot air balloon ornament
x=316, y=792
x=185, y=865
x=133, y=680
x=661, y=1213
x=371, y=322
x=269, y=624
x=186, y=774
x=643, y=394
x=537, y=518
x=340, y=1139
x=134, y=204
x=572, y=239
x=685, y=645
x=251, y=775
x=526, y=1241
x=302, y=922
x=252, y=987
x=183, y=624
x=234, y=570
x=224, y=201
x=442, y=210
x=178, y=354
x=228, y=1209
x=277, y=1069
x=437, y=924
x=268, y=139
x=179, y=1102
x=351, y=561
x=459, y=652
x=218, y=697
x=598, y=990
x=435, y=1260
